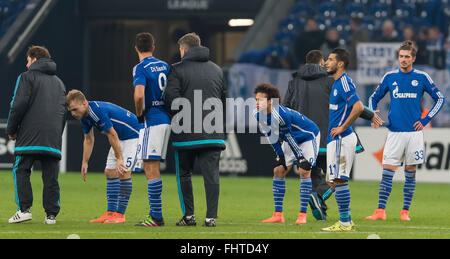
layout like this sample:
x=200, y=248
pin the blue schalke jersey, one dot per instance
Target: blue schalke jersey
x=342, y=98
x=104, y=116
x=406, y=92
x=294, y=128
x=152, y=73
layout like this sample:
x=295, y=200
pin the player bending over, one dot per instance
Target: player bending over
x=122, y=129
x=405, y=140
x=295, y=139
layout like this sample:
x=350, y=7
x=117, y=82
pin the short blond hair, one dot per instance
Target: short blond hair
x=75, y=95
x=190, y=40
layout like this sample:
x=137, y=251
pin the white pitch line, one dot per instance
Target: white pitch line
x=210, y=233
x=410, y=227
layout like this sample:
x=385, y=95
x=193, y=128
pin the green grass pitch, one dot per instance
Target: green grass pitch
x=244, y=202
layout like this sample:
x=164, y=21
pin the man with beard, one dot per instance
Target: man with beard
x=345, y=108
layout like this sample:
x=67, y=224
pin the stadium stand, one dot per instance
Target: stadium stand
x=337, y=14
x=9, y=10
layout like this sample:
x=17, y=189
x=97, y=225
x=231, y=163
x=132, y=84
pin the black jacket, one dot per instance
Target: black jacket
x=38, y=111
x=309, y=94
x=196, y=72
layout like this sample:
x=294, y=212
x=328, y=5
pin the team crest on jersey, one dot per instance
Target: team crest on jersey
x=335, y=92
x=415, y=83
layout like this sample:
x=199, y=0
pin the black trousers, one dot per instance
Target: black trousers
x=24, y=192
x=207, y=162
x=318, y=175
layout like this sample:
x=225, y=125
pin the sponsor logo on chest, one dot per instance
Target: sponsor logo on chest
x=397, y=95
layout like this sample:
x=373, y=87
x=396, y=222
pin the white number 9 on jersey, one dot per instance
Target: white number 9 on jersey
x=162, y=81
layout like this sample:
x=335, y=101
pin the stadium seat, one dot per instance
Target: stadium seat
x=399, y=23
x=253, y=57
x=360, y=2
x=9, y=9
x=291, y=23
x=355, y=10
x=323, y=23
x=404, y=11
x=5, y=8
x=285, y=37
x=344, y=37
x=4, y=12
x=342, y=24
x=329, y=10
x=338, y=2
x=417, y=22
x=407, y=2
x=386, y=2
x=371, y=23
x=424, y=14
x=302, y=9
x=379, y=11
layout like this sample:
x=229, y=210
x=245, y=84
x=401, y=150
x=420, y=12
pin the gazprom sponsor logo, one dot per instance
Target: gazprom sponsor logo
x=398, y=95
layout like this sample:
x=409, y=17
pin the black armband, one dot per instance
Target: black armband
x=367, y=114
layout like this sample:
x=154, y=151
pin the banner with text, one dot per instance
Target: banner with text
x=375, y=60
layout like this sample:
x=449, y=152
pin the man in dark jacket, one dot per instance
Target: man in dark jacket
x=309, y=94
x=36, y=121
x=196, y=82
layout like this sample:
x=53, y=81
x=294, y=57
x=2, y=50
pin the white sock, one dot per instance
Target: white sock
x=345, y=223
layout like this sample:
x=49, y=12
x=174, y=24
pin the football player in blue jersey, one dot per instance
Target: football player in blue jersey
x=150, y=81
x=345, y=108
x=122, y=129
x=405, y=140
x=294, y=137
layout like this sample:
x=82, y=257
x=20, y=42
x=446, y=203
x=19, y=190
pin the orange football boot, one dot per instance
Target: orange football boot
x=301, y=218
x=379, y=214
x=103, y=217
x=276, y=218
x=117, y=218
x=404, y=215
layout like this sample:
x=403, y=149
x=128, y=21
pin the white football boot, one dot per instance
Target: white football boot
x=50, y=220
x=20, y=217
